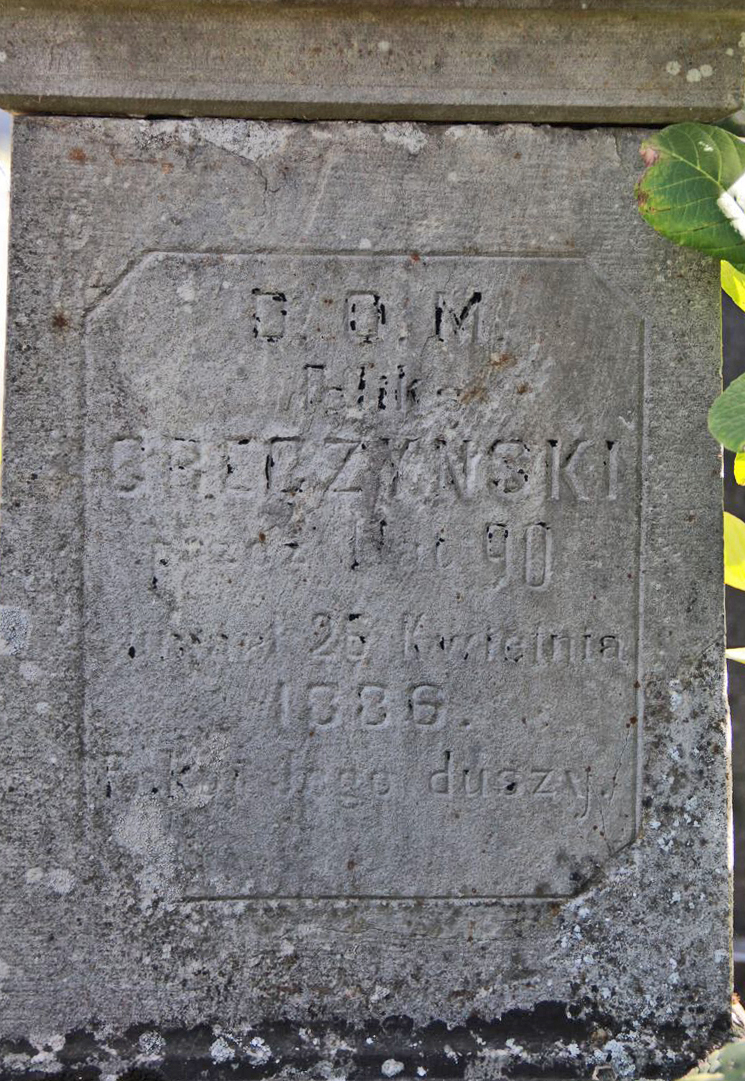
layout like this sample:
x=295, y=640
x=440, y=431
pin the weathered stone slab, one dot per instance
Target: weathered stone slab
x=578, y=61
x=358, y=516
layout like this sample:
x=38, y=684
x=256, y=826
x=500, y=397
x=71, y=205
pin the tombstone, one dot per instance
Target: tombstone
x=361, y=630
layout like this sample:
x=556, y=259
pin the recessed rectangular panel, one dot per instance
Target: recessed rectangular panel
x=365, y=531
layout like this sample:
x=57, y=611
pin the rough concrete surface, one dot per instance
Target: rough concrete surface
x=571, y=61
x=361, y=637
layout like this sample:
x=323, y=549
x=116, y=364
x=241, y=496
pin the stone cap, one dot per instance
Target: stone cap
x=563, y=61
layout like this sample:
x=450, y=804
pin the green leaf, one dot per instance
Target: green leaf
x=734, y=551
x=685, y=193
x=727, y=416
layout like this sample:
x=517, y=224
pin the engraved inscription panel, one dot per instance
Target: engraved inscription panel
x=366, y=528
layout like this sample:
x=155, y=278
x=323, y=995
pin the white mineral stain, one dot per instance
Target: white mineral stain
x=391, y=1067
x=152, y=1045
x=693, y=75
x=365, y=244
x=161, y=127
x=620, y=1058
x=266, y=140
x=252, y=141
x=142, y=831
x=34, y=875
x=672, y=67
x=186, y=292
x=3, y=56
x=730, y=52
x=60, y=880
x=258, y=1051
x=46, y=1062
x=706, y=70
x=409, y=136
x=384, y=47
x=221, y=1051
x=676, y=698
x=30, y=671
x=334, y=1044
x=741, y=42
x=46, y=1043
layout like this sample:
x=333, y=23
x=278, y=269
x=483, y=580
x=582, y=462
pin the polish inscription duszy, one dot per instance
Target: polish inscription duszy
x=364, y=532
